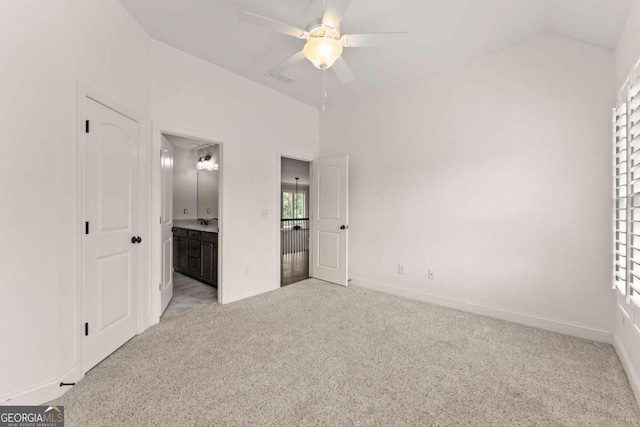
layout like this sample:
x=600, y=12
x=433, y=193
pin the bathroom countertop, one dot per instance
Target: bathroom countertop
x=192, y=224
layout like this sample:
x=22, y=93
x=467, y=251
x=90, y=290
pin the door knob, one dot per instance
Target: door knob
x=135, y=239
x=344, y=227
x=138, y=240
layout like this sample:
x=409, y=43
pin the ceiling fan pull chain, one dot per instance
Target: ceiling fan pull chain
x=324, y=87
x=324, y=82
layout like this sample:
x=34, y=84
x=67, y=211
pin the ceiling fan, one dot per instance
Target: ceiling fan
x=324, y=42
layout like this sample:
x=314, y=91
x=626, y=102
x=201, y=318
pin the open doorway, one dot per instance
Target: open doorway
x=190, y=184
x=294, y=220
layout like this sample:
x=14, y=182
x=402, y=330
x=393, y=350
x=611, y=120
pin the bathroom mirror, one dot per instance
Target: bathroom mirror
x=208, y=181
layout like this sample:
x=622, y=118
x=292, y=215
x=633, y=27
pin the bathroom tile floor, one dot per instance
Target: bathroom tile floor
x=188, y=294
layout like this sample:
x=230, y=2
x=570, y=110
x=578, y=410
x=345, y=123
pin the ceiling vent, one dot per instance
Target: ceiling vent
x=281, y=78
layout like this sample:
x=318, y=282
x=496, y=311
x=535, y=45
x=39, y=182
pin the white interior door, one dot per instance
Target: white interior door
x=330, y=219
x=166, y=221
x=111, y=239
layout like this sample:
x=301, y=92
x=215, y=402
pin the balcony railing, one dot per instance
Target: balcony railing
x=294, y=235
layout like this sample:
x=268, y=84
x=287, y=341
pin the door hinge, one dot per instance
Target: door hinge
x=86, y=126
x=86, y=227
x=86, y=329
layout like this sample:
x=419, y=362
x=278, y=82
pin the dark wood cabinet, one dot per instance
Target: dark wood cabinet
x=195, y=254
x=180, y=250
x=194, y=267
x=208, y=261
x=184, y=255
x=194, y=248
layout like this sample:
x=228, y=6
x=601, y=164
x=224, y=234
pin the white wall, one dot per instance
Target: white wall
x=185, y=183
x=628, y=49
x=45, y=46
x=627, y=329
x=255, y=126
x=292, y=168
x=496, y=173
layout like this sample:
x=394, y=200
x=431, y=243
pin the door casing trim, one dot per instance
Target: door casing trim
x=156, y=230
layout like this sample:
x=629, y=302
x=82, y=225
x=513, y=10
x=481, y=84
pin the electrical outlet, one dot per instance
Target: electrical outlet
x=432, y=274
x=247, y=270
x=401, y=269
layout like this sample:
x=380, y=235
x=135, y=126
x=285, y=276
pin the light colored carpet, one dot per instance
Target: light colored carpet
x=319, y=354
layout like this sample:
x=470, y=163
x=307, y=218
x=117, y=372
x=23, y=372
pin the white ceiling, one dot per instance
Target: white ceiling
x=598, y=22
x=443, y=32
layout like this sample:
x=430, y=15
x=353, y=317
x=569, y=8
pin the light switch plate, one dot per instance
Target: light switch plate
x=401, y=269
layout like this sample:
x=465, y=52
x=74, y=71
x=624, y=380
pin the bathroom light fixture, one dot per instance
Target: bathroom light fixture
x=206, y=163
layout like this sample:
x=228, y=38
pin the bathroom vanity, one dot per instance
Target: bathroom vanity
x=195, y=252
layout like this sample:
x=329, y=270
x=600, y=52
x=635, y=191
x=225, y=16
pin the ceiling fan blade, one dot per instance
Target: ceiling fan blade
x=374, y=40
x=261, y=21
x=287, y=63
x=342, y=70
x=334, y=12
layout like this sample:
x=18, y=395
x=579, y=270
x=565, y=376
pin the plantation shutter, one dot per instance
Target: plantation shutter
x=633, y=135
x=621, y=198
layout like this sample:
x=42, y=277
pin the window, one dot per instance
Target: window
x=293, y=206
x=620, y=192
x=633, y=179
x=626, y=119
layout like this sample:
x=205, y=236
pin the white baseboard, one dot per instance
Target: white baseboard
x=246, y=293
x=555, y=325
x=632, y=374
x=34, y=396
x=43, y=392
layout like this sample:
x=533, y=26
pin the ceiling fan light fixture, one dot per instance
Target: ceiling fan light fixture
x=322, y=51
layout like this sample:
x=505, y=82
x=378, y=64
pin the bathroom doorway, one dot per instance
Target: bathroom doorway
x=190, y=184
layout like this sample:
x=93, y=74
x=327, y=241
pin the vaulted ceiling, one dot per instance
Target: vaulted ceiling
x=442, y=32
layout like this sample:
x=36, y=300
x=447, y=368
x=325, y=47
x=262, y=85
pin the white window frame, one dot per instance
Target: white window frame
x=302, y=189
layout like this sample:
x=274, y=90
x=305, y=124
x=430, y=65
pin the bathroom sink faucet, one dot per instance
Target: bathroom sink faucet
x=203, y=221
